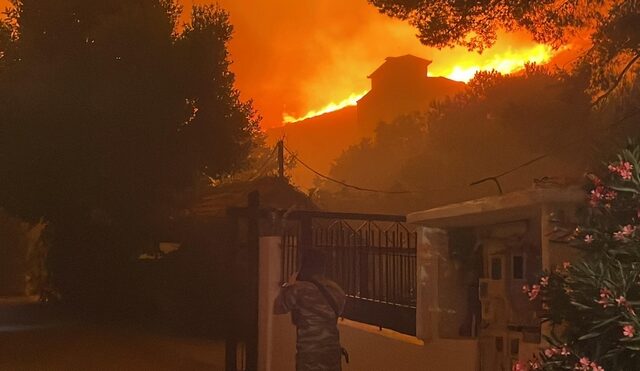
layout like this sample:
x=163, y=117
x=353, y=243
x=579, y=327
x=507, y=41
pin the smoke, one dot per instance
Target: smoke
x=293, y=56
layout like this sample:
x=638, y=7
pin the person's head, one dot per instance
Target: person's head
x=313, y=264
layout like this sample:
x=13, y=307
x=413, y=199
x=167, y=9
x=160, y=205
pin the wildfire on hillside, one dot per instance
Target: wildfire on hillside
x=352, y=100
x=507, y=62
x=503, y=61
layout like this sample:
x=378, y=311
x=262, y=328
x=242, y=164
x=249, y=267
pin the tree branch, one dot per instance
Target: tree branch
x=618, y=80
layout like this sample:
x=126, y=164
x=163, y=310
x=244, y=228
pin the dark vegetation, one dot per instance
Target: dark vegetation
x=554, y=123
x=113, y=116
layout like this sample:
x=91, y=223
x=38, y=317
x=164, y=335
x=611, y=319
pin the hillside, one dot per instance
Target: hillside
x=318, y=141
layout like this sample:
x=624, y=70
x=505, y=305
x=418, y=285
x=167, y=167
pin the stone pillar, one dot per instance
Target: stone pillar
x=269, y=273
x=432, y=243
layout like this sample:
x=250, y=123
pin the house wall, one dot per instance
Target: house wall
x=369, y=348
x=373, y=350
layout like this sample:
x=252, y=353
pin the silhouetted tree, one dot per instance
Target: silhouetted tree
x=111, y=114
x=612, y=27
x=499, y=122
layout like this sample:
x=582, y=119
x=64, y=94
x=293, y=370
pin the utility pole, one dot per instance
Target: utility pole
x=281, y=158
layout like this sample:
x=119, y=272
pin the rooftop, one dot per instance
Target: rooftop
x=496, y=209
x=401, y=60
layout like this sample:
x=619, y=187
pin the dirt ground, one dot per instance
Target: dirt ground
x=31, y=341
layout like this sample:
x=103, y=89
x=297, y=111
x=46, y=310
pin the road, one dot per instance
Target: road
x=33, y=340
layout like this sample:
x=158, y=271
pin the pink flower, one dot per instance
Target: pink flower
x=588, y=239
x=585, y=364
x=621, y=301
x=628, y=331
x=584, y=361
x=565, y=351
x=525, y=289
x=519, y=366
x=624, y=233
x=544, y=281
x=550, y=352
x=566, y=265
x=595, y=179
x=597, y=195
x=605, y=295
x=610, y=195
x=623, y=169
x=535, y=365
x=533, y=294
x=628, y=230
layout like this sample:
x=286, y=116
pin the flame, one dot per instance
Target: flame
x=352, y=100
x=505, y=63
x=508, y=61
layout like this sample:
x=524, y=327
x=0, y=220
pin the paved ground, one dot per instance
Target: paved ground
x=31, y=338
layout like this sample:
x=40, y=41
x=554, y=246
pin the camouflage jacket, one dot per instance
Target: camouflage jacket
x=318, y=340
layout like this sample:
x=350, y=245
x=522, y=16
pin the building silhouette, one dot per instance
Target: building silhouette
x=399, y=86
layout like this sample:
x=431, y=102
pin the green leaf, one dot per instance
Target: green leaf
x=589, y=336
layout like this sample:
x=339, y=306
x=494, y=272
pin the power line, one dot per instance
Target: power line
x=297, y=159
x=495, y=178
x=365, y=189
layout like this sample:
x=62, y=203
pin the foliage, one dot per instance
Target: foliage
x=611, y=26
x=592, y=304
x=497, y=123
x=111, y=116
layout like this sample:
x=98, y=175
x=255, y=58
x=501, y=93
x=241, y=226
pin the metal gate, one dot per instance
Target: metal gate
x=372, y=257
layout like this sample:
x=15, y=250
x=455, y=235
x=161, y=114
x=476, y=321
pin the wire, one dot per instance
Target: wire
x=536, y=159
x=297, y=159
x=494, y=178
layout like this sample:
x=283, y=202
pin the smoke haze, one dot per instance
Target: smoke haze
x=294, y=56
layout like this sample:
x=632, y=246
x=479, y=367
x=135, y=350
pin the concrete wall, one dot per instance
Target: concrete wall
x=373, y=350
x=370, y=349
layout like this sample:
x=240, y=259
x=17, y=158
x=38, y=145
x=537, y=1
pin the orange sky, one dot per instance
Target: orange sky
x=293, y=56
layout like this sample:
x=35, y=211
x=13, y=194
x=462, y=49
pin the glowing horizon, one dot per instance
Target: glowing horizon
x=506, y=62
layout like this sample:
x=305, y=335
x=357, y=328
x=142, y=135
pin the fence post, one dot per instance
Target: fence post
x=253, y=244
x=269, y=285
x=231, y=335
x=432, y=242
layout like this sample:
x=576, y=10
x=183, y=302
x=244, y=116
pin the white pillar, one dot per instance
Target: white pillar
x=269, y=273
x=432, y=242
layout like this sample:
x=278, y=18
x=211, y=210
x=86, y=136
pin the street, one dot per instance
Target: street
x=31, y=339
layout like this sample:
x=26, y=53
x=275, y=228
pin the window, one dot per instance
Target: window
x=518, y=267
x=496, y=268
x=499, y=344
x=515, y=347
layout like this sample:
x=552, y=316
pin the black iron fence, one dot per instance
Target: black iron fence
x=372, y=257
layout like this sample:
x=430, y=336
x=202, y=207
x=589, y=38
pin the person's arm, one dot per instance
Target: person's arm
x=286, y=299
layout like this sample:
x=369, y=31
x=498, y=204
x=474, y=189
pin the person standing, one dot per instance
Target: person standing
x=315, y=303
